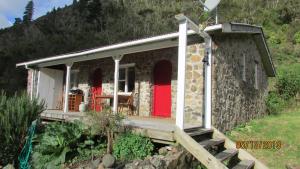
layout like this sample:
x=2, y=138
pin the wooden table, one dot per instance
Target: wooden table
x=111, y=97
x=104, y=96
x=100, y=97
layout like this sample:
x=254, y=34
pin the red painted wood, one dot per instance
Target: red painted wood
x=162, y=89
x=96, y=89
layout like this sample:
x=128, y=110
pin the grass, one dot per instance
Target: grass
x=284, y=127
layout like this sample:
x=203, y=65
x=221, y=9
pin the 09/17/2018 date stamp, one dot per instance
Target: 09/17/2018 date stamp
x=271, y=144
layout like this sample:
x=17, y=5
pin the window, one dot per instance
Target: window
x=244, y=67
x=256, y=75
x=74, y=79
x=126, y=78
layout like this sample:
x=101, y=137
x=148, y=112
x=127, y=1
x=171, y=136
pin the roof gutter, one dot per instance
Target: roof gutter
x=106, y=48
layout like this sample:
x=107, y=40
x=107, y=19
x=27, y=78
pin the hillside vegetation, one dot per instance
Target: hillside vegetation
x=91, y=23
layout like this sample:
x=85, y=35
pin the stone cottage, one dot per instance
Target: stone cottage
x=218, y=75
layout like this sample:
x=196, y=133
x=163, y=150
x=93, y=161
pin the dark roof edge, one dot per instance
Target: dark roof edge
x=259, y=37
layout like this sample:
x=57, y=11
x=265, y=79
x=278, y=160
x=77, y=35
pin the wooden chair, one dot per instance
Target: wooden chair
x=126, y=102
x=98, y=101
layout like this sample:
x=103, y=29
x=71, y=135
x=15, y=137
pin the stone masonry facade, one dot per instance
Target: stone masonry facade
x=144, y=65
x=236, y=99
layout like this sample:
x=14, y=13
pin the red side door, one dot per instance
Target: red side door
x=96, y=89
x=162, y=89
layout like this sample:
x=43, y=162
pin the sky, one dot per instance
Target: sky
x=11, y=9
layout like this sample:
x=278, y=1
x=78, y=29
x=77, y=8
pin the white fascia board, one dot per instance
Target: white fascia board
x=127, y=65
x=109, y=50
x=213, y=28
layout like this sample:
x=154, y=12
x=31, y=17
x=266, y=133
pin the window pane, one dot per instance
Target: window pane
x=131, y=79
x=256, y=82
x=122, y=74
x=74, y=80
x=244, y=67
x=121, y=86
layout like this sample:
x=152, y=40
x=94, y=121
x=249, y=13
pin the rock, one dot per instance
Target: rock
x=158, y=162
x=189, y=67
x=96, y=162
x=101, y=166
x=174, y=159
x=174, y=150
x=9, y=166
x=195, y=58
x=196, y=75
x=193, y=88
x=133, y=165
x=89, y=166
x=108, y=160
x=140, y=164
x=149, y=166
x=163, y=151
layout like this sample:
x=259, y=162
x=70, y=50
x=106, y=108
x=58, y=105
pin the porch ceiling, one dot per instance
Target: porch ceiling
x=147, y=44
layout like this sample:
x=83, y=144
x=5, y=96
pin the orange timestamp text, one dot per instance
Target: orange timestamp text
x=271, y=144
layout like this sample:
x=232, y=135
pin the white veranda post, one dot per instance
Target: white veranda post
x=116, y=82
x=182, y=47
x=32, y=83
x=184, y=24
x=67, y=88
x=207, y=83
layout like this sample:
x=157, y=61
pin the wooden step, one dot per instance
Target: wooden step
x=192, y=129
x=199, y=132
x=211, y=142
x=244, y=164
x=226, y=154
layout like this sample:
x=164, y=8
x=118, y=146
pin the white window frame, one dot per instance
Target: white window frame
x=244, y=68
x=256, y=74
x=126, y=67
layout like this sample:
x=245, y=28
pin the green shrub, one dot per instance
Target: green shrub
x=63, y=142
x=288, y=81
x=132, y=146
x=16, y=115
x=274, y=38
x=297, y=37
x=274, y=103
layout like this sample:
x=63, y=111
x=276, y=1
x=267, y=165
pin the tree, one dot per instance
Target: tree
x=107, y=124
x=18, y=21
x=27, y=17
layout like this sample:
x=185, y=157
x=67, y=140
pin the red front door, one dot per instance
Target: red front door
x=96, y=89
x=162, y=89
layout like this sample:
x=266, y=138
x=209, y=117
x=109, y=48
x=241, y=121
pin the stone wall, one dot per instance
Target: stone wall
x=236, y=101
x=194, y=85
x=144, y=65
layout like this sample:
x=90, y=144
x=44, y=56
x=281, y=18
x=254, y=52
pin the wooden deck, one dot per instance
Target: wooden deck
x=59, y=115
x=160, y=130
